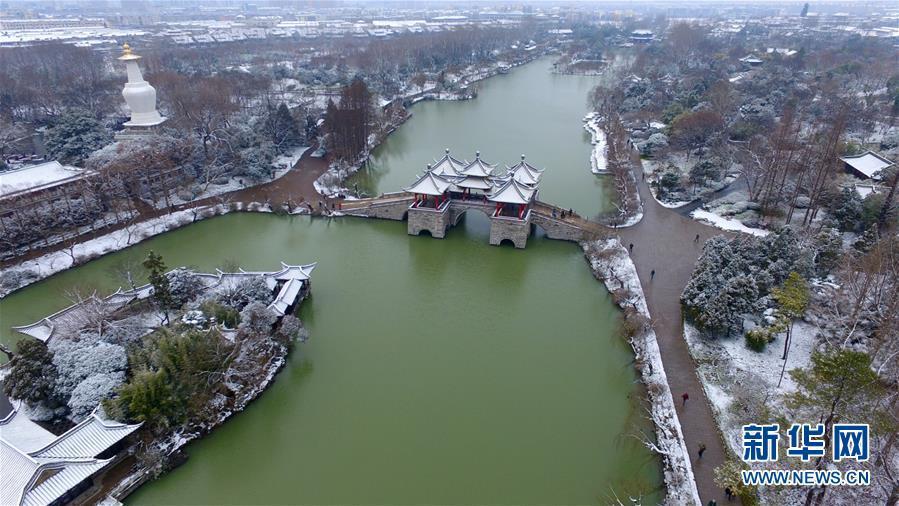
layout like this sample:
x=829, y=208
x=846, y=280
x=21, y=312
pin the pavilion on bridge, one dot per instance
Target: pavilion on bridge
x=450, y=187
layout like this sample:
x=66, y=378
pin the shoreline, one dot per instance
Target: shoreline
x=609, y=261
x=678, y=475
x=200, y=211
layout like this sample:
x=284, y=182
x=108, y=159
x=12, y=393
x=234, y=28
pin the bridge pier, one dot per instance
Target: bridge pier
x=435, y=221
x=508, y=228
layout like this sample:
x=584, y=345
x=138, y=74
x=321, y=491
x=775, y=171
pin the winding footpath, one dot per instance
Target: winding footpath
x=664, y=241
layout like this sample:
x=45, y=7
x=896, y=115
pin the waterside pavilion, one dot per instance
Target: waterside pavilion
x=450, y=187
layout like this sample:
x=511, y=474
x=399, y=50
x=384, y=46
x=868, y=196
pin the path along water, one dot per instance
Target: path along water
x=441, y=372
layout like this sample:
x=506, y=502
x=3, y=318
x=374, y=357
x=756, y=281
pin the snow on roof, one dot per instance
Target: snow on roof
x=447, y=165
x=478, y=167
x=286, y=296
x=525, y=173
x=45, y=328
x=18, y=471
x=67, y=476
x=429, y=184
x=868, y=163
x=38, y=477
x=24, y=434
x=88, y=439
x=513, y=192
x=474, y=183
x=37, y=177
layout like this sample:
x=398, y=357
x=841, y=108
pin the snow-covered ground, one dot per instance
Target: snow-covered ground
x=45, y=266
x=610, y=263
x=728, y=369
x=284, y=164
x=726, y=223
x=598, y=139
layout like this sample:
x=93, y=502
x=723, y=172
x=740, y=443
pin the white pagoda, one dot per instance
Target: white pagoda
x=139, y=95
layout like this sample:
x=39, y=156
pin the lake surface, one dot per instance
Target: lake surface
x=528, y=111
x=437, y=371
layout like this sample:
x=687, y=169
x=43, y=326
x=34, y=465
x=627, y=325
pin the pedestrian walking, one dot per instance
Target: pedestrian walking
x=643, y=176
x=701, y=449
x=696, y=239
x=728, y=493
x=685, y=396
x=631, y=247
x=652, y=275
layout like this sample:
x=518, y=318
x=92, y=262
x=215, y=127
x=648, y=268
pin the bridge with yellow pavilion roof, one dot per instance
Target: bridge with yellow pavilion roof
x=449, y=187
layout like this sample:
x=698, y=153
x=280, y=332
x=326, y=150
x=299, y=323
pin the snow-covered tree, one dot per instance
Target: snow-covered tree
x=292, y=328
x=248, y=290
x=256, y=319
x=183, y=286
x=74, y=135
x=846, y=208
x=76, y=360
x=90, y=392
x=733, y=276
x=256, y=162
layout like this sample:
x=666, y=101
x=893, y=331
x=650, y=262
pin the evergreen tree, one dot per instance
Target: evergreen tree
x=162, y=292
x=74, y=136
x=846, y=207
x=32, y=375
x=840, y=386
x=281, y=129
x=792, y=298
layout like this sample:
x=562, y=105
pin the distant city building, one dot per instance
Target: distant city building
x=50, y=23
x=641, y=36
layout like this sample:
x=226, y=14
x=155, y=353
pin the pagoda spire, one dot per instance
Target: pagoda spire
x=138, y=94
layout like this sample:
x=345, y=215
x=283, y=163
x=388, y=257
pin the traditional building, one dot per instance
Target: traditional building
x=430, y=190
x=447, y=166
x=443, y=194
x=513, y=198
x=290, y=283
x=525, y=173
x=477, y=175
x=39, y=468
x=868, y=165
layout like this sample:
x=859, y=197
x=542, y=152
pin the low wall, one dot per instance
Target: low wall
x=558, y=229
x=392, y=210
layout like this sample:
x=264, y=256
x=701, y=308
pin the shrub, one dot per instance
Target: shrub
x=757, y=339
x=229, y=317
x=256, y=319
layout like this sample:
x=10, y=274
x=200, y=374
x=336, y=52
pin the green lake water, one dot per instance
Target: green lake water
x=437, y=371
x=528, y=111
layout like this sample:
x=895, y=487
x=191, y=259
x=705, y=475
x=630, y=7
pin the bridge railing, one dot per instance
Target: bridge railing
x=384, y=199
